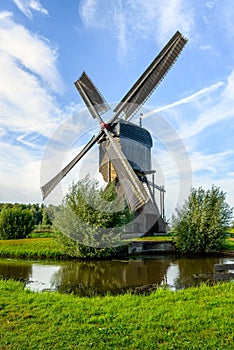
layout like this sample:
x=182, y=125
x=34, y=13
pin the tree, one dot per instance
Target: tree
x=45, y=217
x=91, y=219
x=15, y=223
x=201, y=224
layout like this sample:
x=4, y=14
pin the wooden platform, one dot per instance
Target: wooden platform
x=222, y=272
x=150, y=247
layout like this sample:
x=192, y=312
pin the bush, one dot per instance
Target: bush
x=91, y=220
x=15, y=223
x=75, y=249
x=201, y=224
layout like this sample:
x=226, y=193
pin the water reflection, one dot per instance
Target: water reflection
x=90, y=277
x=99, y=277
x=193, y=271
x=16, y=269
x=42, y=276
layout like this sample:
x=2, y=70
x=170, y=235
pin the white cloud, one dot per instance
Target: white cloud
x=28, y=78
x=227, y=13
x=27, y=6
x=209, y=109
x=209, y=106
x=226, y=184
x=210, y=4
x=174, y=14
x=30, y=52
x=212, y=112
x=29, y=109
x=19, y=174
x=188, y=99
x=4, y=15
x=213, y=163
x=87, y=11
x=207, y=169
x=133, y=20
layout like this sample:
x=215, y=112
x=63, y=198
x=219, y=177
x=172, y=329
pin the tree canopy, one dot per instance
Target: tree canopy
x=201, y=224
x=91, y=218
x=15, y=223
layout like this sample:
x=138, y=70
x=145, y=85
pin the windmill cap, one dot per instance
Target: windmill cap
x=134, y=132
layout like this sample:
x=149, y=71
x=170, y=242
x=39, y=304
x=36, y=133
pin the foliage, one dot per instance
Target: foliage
x=38, y=211
x=15, y=223
x=196, y=318
x=45, y=217
x=201, y=224
x=74, y=249
x=228, y=244
x=91, y=219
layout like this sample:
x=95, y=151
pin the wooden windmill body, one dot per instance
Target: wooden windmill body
x=134, y=141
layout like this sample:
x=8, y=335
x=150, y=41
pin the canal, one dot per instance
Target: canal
x=86, y=278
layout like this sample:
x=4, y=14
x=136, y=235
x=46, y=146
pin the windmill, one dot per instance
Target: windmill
x=124, y=147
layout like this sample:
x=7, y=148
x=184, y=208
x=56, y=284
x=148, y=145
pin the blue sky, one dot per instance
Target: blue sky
x=45, y=46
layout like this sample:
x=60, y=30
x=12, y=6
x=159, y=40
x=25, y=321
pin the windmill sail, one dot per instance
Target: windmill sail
x=135, y=193
x=49, y=186
x=91, y=96
x=97, y=106
x=152, y=76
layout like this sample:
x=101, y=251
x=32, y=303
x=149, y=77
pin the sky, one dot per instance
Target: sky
x=45, y=46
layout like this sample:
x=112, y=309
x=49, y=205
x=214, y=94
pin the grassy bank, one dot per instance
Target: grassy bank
x=229, y=244
x=158, y=238
x=31, y=248
x=39, y=248
x=196, y=318
x=231, y=231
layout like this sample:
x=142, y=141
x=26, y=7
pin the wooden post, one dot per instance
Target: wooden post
x=109, y=171
x=163, y=203
x=153, y=186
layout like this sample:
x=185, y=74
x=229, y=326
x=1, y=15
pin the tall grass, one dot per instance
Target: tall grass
x=31, y=248
x=196, y=318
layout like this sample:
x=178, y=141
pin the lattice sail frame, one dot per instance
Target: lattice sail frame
x=151, y=78
x=91, y=95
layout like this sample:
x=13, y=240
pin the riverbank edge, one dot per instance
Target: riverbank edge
x=47, y=248
x=198, y=317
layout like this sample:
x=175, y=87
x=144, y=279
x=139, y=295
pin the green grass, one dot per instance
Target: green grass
x=42, y=231
x=41, y=234
x=231, y=231
x=229, y=244
x=155, y=238
x=31, y=248
x=48, y=248
x=196, y=318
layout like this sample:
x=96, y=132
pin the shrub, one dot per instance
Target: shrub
x=15, y=223
x=201, y=224
x=91, y=220
x=75, y=249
